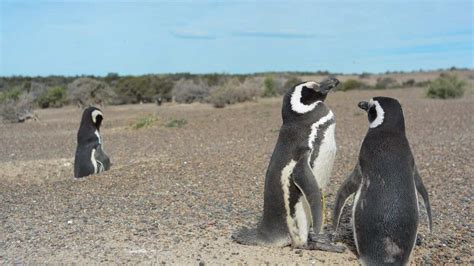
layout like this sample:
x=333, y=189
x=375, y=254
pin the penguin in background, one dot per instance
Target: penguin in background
x=299, y=168
x=90, y=157
x=385, y=182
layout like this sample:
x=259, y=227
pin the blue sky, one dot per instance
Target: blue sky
x=140, y=37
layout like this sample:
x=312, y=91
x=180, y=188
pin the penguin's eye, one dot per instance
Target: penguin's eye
x=372, y=113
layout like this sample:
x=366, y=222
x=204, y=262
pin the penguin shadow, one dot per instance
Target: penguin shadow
x=344, y=233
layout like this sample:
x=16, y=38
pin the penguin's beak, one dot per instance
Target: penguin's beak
x=364, y=105
x=328, y=84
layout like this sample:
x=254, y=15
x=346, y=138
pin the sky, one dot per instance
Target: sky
x=141, y=37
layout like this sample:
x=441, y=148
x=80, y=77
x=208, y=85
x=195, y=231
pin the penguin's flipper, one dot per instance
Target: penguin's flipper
x=422, y=190
x=304, y=179
x=349, y=187
x=102, y=159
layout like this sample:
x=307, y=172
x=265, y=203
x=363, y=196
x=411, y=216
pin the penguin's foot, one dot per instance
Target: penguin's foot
x=323, y=242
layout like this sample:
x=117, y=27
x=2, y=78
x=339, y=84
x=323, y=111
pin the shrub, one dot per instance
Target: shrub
x=424, y=83
x=352, y=84
x=188, y=91
x=445, y=87
x=134, y=89
x=11, y=94
x=364, y=75
x=144, y=121
x=53, y=97
x=213, y=79
x=409, y=83
x=176, y=123
x=162, y=87
x=13, y=111
x=385, y=82
x=232, y=92
x=290, y=83
x=269, y=87
x=88, y=91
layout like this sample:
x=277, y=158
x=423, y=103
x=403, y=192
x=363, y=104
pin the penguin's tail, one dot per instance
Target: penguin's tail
x=246, y=236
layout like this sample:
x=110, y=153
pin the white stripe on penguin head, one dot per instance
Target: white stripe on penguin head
x=296, y=104
x=380, y=114
x=94, y=115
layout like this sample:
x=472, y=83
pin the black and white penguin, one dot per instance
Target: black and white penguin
x=90, y=157
x=385, y=182
x=299, y=168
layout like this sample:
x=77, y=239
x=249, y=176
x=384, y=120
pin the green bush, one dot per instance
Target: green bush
x=445, y=87
x=162, y=87
x=11, y=94
x=177, y=123
x=144, y=121
x=134, y=89
x=52, y=97
x=352, y=84
x=269, y=87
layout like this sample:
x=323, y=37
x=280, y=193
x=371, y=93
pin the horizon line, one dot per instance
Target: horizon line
x=247, y=73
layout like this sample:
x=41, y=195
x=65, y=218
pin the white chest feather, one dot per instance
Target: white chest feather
x=299, y=223
x=323, y=163
x=98, y=136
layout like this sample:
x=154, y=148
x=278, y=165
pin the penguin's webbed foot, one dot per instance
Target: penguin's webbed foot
x=323, y=242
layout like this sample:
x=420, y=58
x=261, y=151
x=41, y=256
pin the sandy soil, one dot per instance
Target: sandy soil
x=175, y=195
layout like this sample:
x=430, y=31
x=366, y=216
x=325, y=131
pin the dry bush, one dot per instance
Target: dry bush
x=234, y=92
x=385, y=83
x=409, y=83
x=290, y=83
x=88, y=91
x=19, y=110
x=188, y=91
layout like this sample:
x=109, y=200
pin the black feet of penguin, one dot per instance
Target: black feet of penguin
x=299, y=169
x=90, y=157
x=385, y=182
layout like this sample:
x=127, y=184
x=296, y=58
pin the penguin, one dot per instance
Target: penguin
x=385, y=182
x=299, y=168
x=90, y=157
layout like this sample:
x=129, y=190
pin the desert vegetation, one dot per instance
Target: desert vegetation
x=19, y=95
x=446, y=86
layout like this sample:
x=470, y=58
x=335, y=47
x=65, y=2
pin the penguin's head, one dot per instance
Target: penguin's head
x=304, y=97
x=92, y=116
x=383, y=112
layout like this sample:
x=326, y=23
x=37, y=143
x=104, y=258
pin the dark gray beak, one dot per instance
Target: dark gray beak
x=364, y=105
x=328, y=84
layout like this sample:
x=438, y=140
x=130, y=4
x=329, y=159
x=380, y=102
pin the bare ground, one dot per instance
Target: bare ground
x=175, y=194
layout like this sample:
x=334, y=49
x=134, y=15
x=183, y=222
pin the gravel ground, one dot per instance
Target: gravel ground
x=175, y=194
